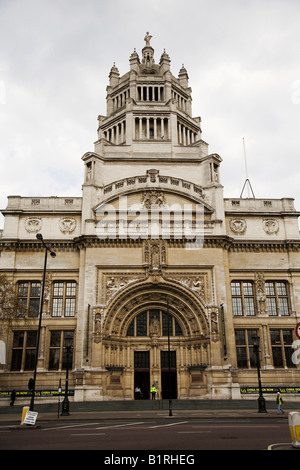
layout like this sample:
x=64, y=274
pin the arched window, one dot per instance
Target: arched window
x=154, y=319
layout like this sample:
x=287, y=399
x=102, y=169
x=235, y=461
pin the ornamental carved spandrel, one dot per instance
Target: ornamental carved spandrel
x=113, y=284
x=198, y=283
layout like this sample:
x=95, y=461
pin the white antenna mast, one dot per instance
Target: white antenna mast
x=247, y=182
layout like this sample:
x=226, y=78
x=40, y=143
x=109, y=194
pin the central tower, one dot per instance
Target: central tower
x=149, y=153
x=149, y=115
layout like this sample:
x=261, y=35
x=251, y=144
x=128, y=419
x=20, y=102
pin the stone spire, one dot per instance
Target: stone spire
x=114, y=75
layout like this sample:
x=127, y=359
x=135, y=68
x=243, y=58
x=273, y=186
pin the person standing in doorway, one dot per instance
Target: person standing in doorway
x=153, y=391
x=279, y=402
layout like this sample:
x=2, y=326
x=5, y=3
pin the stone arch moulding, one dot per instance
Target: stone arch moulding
x=181, y=303
x=165, y=184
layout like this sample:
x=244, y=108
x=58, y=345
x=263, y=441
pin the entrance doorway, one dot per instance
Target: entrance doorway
x=142, y=375
x=168, y=374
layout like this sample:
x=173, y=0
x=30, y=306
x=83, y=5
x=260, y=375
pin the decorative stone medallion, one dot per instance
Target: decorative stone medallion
x=33, y=224
x=270, y=226
x=67, y=224
x=238, y=225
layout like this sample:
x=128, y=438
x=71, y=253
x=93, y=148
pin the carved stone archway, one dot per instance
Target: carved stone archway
x=191, y=349
x=186, y=308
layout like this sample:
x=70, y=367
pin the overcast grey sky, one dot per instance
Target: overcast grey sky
x=243, y=61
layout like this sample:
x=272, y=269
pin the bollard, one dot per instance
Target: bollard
x=24, y=412
x=294, y=423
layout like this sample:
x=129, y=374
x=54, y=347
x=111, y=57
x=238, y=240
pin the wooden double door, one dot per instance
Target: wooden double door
x=168, y=385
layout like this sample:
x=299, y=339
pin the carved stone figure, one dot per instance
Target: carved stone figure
x=147, y=39
x=154, y=197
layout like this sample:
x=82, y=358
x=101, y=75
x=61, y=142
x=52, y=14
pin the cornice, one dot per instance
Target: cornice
x=223, y=242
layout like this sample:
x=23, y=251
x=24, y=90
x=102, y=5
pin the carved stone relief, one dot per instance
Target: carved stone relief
x=47, y=292
x=270, y=226
x=238, y=225
x=213, y=312
x=113, y=284
x=198, y=283
x=33, y=224
x=154, y=197
x=261, y=294
x=154, y=253
x=98, y=316
x=67, y=224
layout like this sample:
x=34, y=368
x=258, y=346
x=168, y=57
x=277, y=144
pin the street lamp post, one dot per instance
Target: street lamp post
x=39, y=236
x=66, y=404
x=169, y=364
x=261, y=400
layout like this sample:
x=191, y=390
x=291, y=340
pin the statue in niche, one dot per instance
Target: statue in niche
x=155, y=327
x=47, y=290
x=155, y=256
x=98, y=323
x=154, y=253
x=261, y=294
x=214, y=321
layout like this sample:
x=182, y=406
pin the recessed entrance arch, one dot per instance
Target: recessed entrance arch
x=145, y=322
x=179, y=301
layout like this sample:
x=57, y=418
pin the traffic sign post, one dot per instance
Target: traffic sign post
x=298, y=330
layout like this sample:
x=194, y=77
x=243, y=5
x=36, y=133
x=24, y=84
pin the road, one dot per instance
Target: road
x=157, y=434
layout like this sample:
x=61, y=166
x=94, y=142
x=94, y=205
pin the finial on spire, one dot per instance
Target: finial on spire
x=147, y=39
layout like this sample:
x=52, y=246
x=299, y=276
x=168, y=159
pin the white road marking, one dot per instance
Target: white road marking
x=120, y=425
x=69, y=426
x=165, y=425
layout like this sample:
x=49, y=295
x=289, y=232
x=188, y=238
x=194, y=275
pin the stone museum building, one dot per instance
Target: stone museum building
x=157, y=279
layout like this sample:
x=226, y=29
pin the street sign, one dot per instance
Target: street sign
x=30, y=417
x=298, y=330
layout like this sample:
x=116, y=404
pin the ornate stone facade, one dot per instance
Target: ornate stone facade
x=131, y=283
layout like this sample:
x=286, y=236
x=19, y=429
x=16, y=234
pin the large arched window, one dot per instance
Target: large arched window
x=154, y=320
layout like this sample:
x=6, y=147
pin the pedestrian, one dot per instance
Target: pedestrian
x=153, y=392
x=12, y=397
x=279, y=402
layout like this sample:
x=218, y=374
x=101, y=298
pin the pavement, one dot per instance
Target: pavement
x=148, y=409
x=116, y=410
